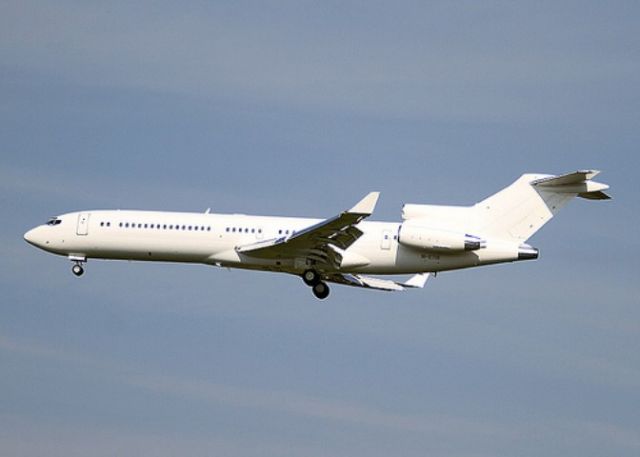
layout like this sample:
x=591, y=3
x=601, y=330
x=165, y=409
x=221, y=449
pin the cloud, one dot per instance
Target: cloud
x=102, y=191
x=472, y=437
x=36, y=438
x=319, y=408
x=273, y=401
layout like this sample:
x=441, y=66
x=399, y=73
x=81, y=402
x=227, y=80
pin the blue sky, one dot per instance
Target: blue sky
x=300, y=108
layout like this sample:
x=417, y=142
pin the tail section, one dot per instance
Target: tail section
x=521, y=209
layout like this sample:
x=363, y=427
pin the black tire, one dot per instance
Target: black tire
x=311, y=277
x=77, y=270
x=321, y=290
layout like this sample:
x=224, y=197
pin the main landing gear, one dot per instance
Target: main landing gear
x=321, y=290
x=313, y=279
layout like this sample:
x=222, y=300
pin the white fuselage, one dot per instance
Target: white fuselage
x=342, y=249
x=212, y=239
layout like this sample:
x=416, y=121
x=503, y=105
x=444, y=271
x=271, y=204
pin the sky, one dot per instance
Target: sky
x=301, y=108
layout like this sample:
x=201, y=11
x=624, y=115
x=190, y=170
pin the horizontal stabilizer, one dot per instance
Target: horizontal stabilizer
x=569, y=178
x=578, y=183
x=595, y=195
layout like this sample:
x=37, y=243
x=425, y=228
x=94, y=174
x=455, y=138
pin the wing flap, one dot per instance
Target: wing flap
x=369, y=282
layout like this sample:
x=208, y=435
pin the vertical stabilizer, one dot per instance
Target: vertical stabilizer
x=521, y=209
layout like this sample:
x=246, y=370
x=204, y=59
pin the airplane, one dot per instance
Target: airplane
x=343, y=249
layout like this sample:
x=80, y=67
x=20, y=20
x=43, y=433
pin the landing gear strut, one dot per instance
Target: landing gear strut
x=78, y=261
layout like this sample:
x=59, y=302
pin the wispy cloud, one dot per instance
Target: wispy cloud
x=105, y=192
x=479, y=435
x=273, y=401
x=320, y=408
x=20, y=437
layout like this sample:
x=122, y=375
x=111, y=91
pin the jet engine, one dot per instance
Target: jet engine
x=415, y=234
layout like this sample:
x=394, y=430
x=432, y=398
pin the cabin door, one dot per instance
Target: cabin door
x=83, y=224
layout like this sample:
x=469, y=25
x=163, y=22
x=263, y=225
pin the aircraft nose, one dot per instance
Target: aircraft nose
x=31, y=237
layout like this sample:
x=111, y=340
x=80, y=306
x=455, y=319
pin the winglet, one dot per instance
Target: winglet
x=366, y=205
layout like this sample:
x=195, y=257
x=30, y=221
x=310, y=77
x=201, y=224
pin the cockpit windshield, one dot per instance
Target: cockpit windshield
x=54, y=221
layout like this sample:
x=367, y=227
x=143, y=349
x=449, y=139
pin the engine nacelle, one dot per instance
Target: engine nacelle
x=418, y=236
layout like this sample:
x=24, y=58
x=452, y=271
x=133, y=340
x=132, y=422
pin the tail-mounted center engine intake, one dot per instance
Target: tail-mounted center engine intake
x=414, y=234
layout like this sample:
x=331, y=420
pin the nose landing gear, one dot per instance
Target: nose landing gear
x=77, y=268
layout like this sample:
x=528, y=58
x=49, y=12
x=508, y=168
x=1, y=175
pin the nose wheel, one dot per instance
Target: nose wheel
x=77, y=269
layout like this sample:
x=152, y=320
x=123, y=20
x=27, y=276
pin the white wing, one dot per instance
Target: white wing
x=318, y=242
